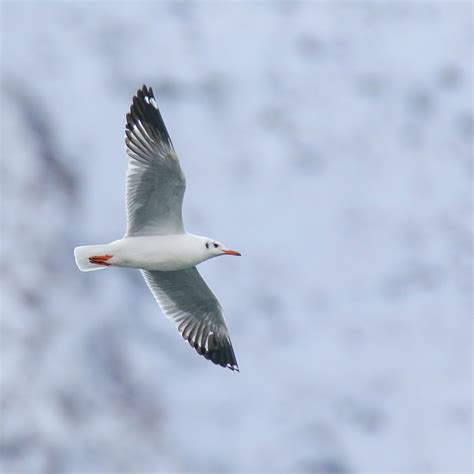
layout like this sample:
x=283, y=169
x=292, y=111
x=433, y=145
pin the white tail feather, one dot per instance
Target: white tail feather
x=82, y=255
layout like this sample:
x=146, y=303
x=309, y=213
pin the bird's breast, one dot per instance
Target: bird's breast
x=161, y=253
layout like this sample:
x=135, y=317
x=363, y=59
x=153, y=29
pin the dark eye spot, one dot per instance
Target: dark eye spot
x=216, y=245
x=207, y=245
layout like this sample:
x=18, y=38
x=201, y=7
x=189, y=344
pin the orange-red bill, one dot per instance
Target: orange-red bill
x=232, y=252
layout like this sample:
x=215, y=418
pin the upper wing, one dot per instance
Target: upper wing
x=185, y=298
x=155, y=181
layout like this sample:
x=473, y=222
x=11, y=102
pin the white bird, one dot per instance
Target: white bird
x=156, y=241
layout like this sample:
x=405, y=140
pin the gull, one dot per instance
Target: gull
x=155, y=240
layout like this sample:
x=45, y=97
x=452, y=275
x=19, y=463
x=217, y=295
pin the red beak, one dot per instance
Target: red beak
x=232, y=252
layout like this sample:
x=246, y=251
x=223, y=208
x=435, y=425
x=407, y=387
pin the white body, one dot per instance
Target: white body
x=156, y=252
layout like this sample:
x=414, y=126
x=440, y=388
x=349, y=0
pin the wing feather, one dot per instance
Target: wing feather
x=185, y=298
x=155, y=181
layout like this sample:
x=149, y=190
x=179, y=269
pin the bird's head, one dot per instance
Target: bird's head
x=214, y=249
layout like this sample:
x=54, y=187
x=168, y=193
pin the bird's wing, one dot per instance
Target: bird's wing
x=155, y=181
x=185, y=298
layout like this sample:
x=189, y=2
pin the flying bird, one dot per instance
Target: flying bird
x=155, y=240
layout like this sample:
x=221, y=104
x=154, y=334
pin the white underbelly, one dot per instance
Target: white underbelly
x=162, y=253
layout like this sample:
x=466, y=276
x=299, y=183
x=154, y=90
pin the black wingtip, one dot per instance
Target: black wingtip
x=222, y=354
x=145, y=109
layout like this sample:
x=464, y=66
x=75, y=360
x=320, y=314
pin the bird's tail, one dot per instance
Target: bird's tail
x=92, y=257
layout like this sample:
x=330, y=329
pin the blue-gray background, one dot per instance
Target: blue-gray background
x=331, y=143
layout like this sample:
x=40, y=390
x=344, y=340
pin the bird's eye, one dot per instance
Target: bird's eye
x=216, y=245
x=207, y=245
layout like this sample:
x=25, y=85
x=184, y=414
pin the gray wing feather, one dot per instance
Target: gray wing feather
x=155, y=181
x=185, y=298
